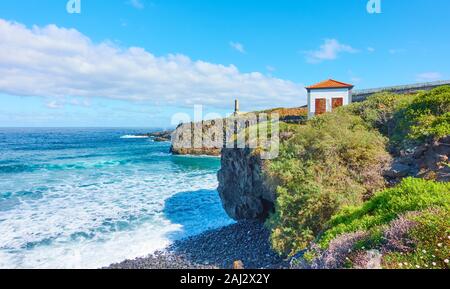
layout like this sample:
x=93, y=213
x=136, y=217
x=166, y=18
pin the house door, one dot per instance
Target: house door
x=337, y=102
x=321, y=106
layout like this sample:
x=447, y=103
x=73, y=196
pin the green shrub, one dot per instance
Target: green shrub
x=430, y=125
x=379, y=109
x=331, y=162
x=336, y=159
x=427, y=116
x=407, y=119
x=411, y=195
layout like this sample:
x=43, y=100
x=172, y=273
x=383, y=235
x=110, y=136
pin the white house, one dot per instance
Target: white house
x=327, y=95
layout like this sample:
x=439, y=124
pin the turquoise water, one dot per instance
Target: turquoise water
x=86, y=198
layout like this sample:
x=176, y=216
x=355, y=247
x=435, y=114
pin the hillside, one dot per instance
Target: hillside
x=336, y=166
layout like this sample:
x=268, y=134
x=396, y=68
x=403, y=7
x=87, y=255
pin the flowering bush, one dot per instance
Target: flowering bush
x=431, y=238
x=397, y=237
x=336, y=256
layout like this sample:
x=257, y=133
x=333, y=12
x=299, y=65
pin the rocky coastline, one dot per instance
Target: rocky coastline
x=248, y=196
x=160, y=136
x=246, y=241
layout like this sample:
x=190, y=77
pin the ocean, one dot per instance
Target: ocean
x=86, y=198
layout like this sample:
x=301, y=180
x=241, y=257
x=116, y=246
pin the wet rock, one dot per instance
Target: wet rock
x=160, y=136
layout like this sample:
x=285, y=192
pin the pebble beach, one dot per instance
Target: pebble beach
x=247, y=242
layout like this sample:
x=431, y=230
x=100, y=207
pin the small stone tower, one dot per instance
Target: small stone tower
x=236, y=106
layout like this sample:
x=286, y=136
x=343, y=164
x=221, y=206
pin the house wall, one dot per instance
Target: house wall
x=328, y=94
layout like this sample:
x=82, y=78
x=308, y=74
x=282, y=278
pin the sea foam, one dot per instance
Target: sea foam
x=117, y=200
x=133, y=136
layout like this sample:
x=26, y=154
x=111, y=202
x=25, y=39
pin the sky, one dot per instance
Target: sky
x=137, y=63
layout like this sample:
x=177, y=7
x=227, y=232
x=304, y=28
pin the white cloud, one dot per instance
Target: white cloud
x=237, y=46
x=429, y=76
x=62, y=102
x=57, y=63
x=138, y=4
x=53, y=105
x=329, y=50
x=371, y=49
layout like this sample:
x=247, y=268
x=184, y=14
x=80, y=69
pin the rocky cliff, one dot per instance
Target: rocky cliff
x=203, y=138
x=247, y=193
x=209, y=137
x=243, y=187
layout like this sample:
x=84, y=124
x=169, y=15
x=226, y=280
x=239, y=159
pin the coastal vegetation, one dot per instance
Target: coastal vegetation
x=409, y=119
x=334, y=205
x=331, y=162
x=409, y=223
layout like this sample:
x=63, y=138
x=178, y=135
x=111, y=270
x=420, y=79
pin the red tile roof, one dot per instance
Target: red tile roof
x=330, y=83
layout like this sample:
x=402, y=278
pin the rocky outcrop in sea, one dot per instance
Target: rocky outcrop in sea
x=202, y=138
x=160, y=136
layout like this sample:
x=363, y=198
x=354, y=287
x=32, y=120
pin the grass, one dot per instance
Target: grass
x=411, y=195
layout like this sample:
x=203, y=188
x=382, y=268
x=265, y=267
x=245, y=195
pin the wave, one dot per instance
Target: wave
x=133, y=136
x=29, y=168
x=79, y=208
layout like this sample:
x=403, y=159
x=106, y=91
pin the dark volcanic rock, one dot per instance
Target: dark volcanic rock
x=434, y=160
x=247, y=242
x=430, y=160
x=243, y=188
x=160, y=260
x=161, y=136
x=398, y=170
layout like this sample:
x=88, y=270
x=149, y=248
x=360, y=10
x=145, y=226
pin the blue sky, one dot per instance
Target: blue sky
x=136, y=63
